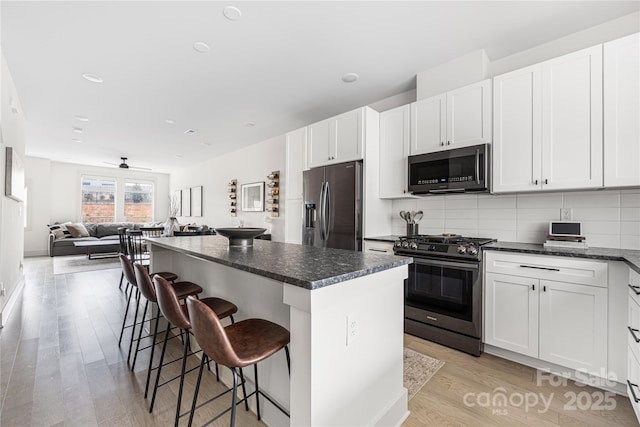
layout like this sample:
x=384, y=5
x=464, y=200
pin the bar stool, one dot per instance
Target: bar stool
x=236, y=346
x=124, y=250
x=182, y=290
x=177, y=315
x=127, y=271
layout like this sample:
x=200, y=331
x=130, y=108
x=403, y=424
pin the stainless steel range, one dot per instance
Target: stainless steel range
x=443, y=294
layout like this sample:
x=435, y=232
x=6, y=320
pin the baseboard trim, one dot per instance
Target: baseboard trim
x=36, y=253
x=11, y=302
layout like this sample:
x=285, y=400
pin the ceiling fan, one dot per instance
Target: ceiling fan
x=124, y=165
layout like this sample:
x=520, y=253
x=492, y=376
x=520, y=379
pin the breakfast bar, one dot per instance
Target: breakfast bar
x=344, y=310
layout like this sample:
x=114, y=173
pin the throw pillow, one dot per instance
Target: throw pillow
x=59, y=233
x=77, y=230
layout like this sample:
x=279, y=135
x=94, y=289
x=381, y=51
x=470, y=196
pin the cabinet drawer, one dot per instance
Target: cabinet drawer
x=378, y=247
x=634, y=286
x=561, y=269
x=633, y=383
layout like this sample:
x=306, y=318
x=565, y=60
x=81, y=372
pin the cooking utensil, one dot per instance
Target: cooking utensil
x=417, y=217
x=403, y=215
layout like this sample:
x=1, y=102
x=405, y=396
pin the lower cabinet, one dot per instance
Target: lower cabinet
x=552, y=320
x=633, y=340
x=375, y=246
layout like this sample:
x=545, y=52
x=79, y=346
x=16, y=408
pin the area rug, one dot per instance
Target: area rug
x=80, y=263
x=418, y=369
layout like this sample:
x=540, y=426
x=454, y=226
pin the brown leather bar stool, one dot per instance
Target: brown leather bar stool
x=177, y=316
x=124, y=250
x=143, y=280
x=236, y=346
x=127, y=271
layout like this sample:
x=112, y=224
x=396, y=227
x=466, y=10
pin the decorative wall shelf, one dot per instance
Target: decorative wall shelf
x=273, y=195
x=233, y=193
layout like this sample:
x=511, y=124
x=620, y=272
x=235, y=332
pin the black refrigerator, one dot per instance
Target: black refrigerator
x=333, y=206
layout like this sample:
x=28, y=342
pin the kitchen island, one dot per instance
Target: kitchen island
x=344, y=310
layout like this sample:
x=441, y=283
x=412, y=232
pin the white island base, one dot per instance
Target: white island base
x=335, y=380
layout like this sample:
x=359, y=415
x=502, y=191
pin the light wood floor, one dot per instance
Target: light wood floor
x=61, y=365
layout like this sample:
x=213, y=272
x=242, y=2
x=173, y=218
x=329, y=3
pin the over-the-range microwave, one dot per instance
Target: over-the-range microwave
x=463, y=169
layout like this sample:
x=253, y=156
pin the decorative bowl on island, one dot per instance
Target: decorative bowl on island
x=240, y=236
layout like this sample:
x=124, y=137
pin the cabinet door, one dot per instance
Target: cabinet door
x=572, y=120
x=428, y=125
x=296, y=145
x=394, y=149
x=573, y=326
x=293, y=216
x=347, y=138
x=511, y=313
x=517, y=140
x=469, y=115
x=319, y=135
x=621, y=112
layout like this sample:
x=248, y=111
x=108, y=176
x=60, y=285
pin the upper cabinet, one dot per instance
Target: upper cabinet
x=621, y=112
x=548, y=125
x=336, y=140
x=459, y=118
x=394, y=149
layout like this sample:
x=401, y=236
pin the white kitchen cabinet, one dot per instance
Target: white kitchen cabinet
x=336, y=140
x=394, y=150
x=459, y=118
x=633, y=347
x=296, y=145
x=548, y=308
x=621, y=112
x=548, y=125
x=378, y=247
x=293, y=216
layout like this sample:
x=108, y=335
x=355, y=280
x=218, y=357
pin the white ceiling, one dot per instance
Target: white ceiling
x=279, y=66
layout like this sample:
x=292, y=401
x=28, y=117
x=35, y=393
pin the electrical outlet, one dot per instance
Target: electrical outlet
x=353, y=332
x=566, y=214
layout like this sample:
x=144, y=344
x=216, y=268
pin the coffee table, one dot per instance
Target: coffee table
x=89, y=244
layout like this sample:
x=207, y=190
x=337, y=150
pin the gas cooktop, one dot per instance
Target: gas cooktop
x=450, y=246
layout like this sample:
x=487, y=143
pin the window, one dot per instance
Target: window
x=98, y=199
x=138, y=202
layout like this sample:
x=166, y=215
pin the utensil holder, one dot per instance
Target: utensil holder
x=412, y=229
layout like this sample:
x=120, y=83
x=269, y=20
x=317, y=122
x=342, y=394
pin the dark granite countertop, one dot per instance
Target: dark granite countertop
x=631, y=257
x=305, y=266
x=390, y=239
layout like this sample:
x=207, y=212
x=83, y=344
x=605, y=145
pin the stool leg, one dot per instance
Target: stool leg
x=195, y=392
x=234, y=397
x=286, y=353
x=255, y=370
x=153, y=347
x=124, y=321
x=244, y=390
x=184, y=367
x=121, y=279
x=135, y=320
x=135, y=355
x=164, y=348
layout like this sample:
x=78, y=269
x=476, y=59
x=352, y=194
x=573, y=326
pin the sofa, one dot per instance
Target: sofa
x=61, y=238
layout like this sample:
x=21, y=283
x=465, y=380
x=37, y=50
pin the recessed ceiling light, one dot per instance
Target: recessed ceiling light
x=94, y=78
x=79, y=141
x=249, y=124
x=206, y=144
x=189, y=131
x=77, y=130
x=169, y=121
x=179, y=156
x=350, y=77
x=232, y=13
x=201, y=47
x=82, y=118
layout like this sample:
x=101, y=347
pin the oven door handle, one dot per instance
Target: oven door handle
x=438, y=263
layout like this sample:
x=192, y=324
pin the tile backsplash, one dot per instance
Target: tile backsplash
x=610, y=218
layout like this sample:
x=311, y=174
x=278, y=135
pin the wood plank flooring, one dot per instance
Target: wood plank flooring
x=61, y=365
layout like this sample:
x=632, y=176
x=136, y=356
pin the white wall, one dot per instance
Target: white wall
x=11, y=220
x=247, y=165
x=55, y=196
x=610, y=218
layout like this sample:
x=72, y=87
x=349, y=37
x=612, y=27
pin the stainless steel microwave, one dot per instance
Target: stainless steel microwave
x=460, y=170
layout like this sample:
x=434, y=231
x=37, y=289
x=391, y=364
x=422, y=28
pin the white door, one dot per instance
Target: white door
x=296, y=145
x=572, y=120
x=347, y=139
x=394, y=149
x=469, y=115
x=517, y=139
x=621, y=112
x=318, y=143
x=573, y=326
x=293, y=216
x=428, y=125
x=511, y=313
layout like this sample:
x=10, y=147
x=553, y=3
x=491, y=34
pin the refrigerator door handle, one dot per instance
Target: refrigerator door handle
x=321, y=216
x=327, y=206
